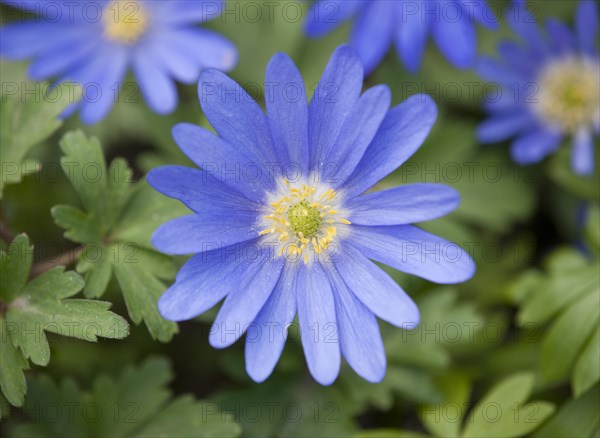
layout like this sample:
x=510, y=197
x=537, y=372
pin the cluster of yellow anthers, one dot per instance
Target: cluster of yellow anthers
x=303, y=220
x=124, y=21
x=569, y=94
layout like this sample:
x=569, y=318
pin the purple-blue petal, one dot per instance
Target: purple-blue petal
x=332, y=101
x=403, y=204
x=197, y=189
x=534, y=146
x=456, y=39
x=582, y=157
x=414, y=251
x=372, y=33
x=244, y=302
x=266, y=337
x=401, y=133
x=287, y=109
x=325, y=15
x=586, y=26
x=197, y=232
x=208, y=278
x=318, y=323
x=376, y=289
x=359, y=337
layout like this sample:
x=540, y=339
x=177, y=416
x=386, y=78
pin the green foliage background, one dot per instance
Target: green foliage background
x=513, y=352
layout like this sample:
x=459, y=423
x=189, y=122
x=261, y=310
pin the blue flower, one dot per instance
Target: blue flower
x=281, y=224
x=93, y=43
x=549, y=88
x=408, y=24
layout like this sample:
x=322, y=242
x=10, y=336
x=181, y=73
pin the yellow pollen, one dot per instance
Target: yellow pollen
x=569, y=94
x=297, y=221
x=125, y=21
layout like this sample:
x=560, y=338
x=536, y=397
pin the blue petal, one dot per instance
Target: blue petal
x=358, y=132
x=481, y=12
x=244, y=302
x=201, y=48
x=504, y=125
x=403, y=205
x=372, y=33
x=493, y=71
x=411, y=36
x=235, y=116
x=186, y=11
x=524, y=24
x=402, y=132
x=223, y=161
x=197, y=232
x=55, y=61
x=359, y=337
x=533, y=147
x=157, y=87
x=562, y=38
x=414, y=251
x=457, y=40
x=266, y=337
x=325, y=15
x=338, y=90
x=287, y=109
x=583, y=153
x=518, y=58
x=197, y=189
x=112, y=71
x=318, y=323
x=587, y=26
x=207, y=279
x=24, y=40
x=375, y=289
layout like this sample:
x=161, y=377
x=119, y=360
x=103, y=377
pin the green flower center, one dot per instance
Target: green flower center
x=304, y=219
x=125, y=21
x=569, y=94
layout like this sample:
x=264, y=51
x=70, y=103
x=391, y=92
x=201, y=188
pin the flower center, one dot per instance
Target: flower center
x=125, y=21
x=302, y=219
x=570, y=94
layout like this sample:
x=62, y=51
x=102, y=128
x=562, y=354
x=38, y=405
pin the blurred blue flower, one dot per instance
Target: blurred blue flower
x=549, y=88
x=408, y=24
x=281, y=225
x=93, y=43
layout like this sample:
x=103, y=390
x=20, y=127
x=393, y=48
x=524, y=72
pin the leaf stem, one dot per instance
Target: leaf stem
x=65, y=259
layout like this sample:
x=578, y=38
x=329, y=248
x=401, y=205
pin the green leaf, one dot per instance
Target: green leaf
x=575, y=418
x=568, y=335
x=569, y=293
x=15, y=264
x=25, y=120
x=137, y=403
x=444, y=419
x=115, y=225
x=587, y=368
x=504, y=413
x=141, y=290
x=84, y=165
x=561, y=171
x=12, y=378
x=44, y=305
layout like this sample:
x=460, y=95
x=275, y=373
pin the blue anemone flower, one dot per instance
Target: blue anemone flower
x=93, y=43
x=549, y=88
x=408, y=24
x=282, y=225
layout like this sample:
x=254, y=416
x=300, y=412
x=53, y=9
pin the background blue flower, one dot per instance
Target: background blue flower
x=549, y=88
x=378, y=23
x=298, y=237
x=94, y=43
